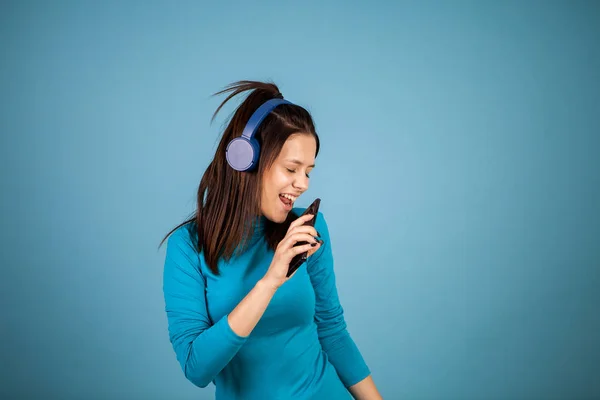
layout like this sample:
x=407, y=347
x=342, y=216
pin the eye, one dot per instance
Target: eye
x=293, y=171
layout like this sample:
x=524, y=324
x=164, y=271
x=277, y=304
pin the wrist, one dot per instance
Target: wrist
x=268, y=284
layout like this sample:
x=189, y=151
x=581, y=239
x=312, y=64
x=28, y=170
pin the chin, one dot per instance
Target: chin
x=280, y=219
x=277, y=218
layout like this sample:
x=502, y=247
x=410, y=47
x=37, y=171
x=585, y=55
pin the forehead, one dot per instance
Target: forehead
x=299, y=147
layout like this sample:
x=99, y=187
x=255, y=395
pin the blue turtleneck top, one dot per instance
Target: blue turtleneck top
x=300, y=348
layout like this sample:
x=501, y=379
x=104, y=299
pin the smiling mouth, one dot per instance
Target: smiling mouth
x=287, y=201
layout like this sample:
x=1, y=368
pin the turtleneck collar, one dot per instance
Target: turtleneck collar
x=259, y=229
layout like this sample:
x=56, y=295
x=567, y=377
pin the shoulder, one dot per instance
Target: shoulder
x=184, y=231
x=183, y=239
x=182, y=254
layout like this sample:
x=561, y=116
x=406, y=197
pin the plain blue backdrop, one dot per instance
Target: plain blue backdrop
x=459, y=174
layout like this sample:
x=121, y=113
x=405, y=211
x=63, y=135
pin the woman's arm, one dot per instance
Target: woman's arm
x=203, y=349
x=365, y=390
x=245, y=316
x=331, y=325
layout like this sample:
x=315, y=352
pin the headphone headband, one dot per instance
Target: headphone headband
x=260, y=114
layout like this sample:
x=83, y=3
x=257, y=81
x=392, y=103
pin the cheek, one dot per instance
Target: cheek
x=275, y=182
x=280, y=181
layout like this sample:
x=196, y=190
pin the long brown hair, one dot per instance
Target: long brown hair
x=228, y=201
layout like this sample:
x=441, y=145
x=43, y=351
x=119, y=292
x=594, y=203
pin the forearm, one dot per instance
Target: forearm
x=244, y=317
x=343, y=353
x=365, y=390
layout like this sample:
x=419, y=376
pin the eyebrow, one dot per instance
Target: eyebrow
x=293, y=160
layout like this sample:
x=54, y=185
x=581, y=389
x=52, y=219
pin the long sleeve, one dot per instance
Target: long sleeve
x=202, y=349
x=329, y=317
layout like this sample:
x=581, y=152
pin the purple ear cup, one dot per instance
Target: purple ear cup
x=242, y=152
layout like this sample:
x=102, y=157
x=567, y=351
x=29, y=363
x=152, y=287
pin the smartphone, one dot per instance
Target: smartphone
x=300, y=258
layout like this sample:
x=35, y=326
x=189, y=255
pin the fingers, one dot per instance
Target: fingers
x=313, y=250
x=294, y=238
x=298, y=232
x=303, y=229
x=300, y=221
x=311, y=247
x=301, y=249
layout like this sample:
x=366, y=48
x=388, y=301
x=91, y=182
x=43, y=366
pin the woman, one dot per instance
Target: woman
x=234, y=317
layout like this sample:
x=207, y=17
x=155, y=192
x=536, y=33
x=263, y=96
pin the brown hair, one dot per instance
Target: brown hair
x=228, y=201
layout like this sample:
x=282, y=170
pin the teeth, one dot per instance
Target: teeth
x=287, y=196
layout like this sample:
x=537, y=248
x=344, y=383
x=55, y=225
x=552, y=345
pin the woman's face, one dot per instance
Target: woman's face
x=288, y=175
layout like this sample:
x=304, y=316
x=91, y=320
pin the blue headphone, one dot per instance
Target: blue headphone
x=242, y=152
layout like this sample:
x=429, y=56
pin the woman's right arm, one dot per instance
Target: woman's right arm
x=202, y=349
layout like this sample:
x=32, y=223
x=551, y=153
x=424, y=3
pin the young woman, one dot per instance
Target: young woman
x=234, y=317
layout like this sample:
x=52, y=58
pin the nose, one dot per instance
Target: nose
x=301, y=184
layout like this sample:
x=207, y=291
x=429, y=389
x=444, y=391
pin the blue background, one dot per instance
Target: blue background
x=459, y=176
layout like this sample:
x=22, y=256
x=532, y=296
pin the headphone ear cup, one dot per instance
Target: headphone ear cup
x=242, y=153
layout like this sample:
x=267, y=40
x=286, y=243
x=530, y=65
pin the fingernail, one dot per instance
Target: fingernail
x=321, y=241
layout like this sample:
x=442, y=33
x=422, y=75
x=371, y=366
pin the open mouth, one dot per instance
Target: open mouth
x=287, y=201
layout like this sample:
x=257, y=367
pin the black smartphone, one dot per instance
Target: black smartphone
x=300, y=258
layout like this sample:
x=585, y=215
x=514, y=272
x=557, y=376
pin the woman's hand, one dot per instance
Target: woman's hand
x=297, y=232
